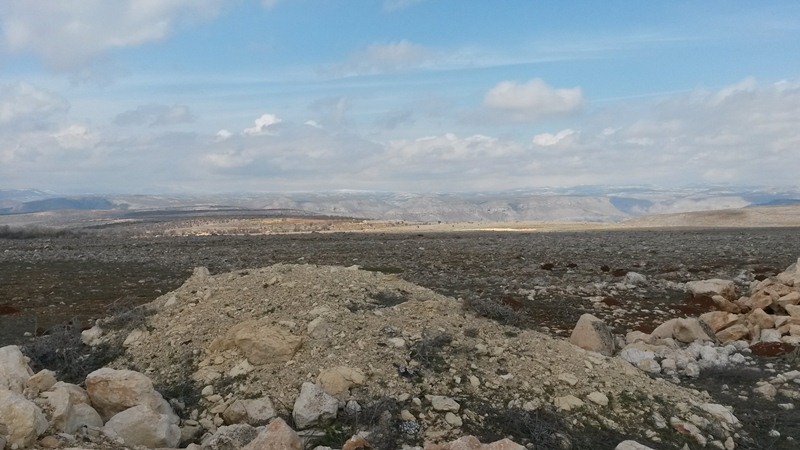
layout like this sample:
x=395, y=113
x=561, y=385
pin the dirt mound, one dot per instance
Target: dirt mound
x=409, y=343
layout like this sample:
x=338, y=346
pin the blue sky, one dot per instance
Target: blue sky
x=136, y=96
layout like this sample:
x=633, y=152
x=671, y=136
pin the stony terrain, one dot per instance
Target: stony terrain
x=527, y=282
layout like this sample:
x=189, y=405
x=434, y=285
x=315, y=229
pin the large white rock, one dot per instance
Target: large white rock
x=313, y=406
x=14, y=370
x=714, y=286
x=276, y=436
x=722, y=415
x=141, y=425
x=591, y=333
x=689, y=330
x=23, y=419
x=113, y=391
x=68, y=413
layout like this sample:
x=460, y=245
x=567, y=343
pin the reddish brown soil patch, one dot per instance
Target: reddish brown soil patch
x=516, y=302
x=696, y=305
x=610, y=301
x=771, y=348
x=619, y=272
x=6, y=310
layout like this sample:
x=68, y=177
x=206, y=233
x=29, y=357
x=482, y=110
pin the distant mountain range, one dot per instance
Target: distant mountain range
x=580, y=203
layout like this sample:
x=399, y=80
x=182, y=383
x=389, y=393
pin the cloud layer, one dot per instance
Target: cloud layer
x=745, y=131
x=67, y=34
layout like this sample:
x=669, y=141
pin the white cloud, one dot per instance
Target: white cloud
x=223, y=135
x=76, y=137
x=532, y=100
x=390, y=57
x=25, y=105
x=68, y=34
x=155, y=115
x=549, y=139
x=262, y=125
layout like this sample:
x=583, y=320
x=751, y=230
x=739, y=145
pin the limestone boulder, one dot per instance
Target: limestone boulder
x=733, y=333
x=665, y=330
x=762, y=299
x=443, y=403
x=112, y=391
x=591, y=333
x=260, y=343
x=93, y=336
x=257, y=411
x=141, y=425
x=722, y=415
x=761, y=319
x=24, y=421
x=718, y=320
x=68, y=415
x=14, y=370
x=723, y=304
x=712, y=287
x=313, y=406
x=793, y=310
x=567, y=402
x=792, y=298
x=41, y=381
x=337, y=381
x=689, y=330
x=276, y=436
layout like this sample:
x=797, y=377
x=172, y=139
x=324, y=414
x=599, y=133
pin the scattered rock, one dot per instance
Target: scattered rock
x=14, y=371
x=24, y=420
x=591, y=333
x=141, y=425
x=113, y=391
x=276, y=436
x=337, y=381
x=313, y=406
x=716, y=286
x=631, y=445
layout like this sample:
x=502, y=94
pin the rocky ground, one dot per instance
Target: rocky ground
x=634, y=280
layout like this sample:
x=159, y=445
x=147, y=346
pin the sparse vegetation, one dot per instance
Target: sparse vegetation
x=379, y=417
x=543, y=428
x=490, y=309
x=428, y=351
x=62, y=351
x=35, y=232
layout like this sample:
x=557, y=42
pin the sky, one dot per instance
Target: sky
x=224, y=96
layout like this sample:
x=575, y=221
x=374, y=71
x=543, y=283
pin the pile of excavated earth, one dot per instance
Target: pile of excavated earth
x=277, y=357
